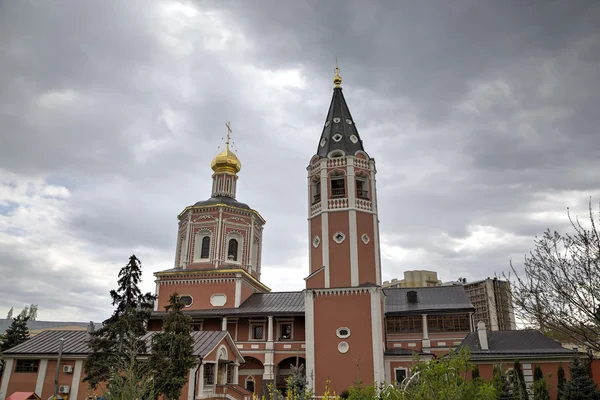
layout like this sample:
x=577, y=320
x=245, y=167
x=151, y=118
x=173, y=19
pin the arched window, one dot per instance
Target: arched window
x=227, y=185
x=338, y=185
x=220, y=186
x=362, y=186
x=232, y=250
x=205, y=251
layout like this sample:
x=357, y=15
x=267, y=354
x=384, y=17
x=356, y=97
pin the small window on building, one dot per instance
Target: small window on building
x=338, y=187
x=227, y=185
x=250, y=385
x=316, y=191
x=220, y=185
x=286, y=331
x=258, y=332
x=232, y=250
x=400, y=375
x=230, y=373
x=187, y=300
x=205, y=251
x=209, y=374
x=362, y=188
x=27, y=366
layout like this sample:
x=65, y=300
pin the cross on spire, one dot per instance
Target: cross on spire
x=228, y=125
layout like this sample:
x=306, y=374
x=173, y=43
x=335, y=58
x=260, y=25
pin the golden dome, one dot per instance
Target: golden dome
x=337, y=79
x=226, y=161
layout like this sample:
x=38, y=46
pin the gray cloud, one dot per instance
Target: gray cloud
x=481, y=116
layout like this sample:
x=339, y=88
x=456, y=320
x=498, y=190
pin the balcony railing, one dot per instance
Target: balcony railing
x=316, y=198
x=341, y=192
x=362, y=194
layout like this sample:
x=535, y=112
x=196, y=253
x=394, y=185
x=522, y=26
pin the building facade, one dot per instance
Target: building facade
x=414, y=279
x=491, y=298
x=343, y=327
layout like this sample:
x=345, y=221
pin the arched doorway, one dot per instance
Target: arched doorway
x=250, y=374
x=287, y=367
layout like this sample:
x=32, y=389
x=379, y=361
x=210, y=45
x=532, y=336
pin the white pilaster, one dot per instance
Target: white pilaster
x=324, y=185
x=236, y=373
x=353, y=237
x=425, y=342
x=224, y=324
x=270, y=327
x=309, y=331
x=39, y=384
x=325, y=246
x=190, y=395
x=238, y=291
x=8, y=368
x=76, y=379
x=251, y=245
x=156, y=292
x=201, y=380
x=377, y=251
x=219, y=239
x=377, y=336
x=186, y=251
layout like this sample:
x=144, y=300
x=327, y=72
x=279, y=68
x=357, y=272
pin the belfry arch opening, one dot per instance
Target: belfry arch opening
x=337, y=181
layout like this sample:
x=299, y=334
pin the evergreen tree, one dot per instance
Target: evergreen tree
x=560, y=385
x=172, y=351
x=500, y=383
x=10, y=313
x=580, y=386
x=121, y=334
x=519, y=388
x=17, y=333
x=540, y=388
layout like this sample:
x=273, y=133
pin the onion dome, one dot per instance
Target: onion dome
x=226, y=161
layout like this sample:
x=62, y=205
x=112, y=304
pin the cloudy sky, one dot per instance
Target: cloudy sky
x=482, y=117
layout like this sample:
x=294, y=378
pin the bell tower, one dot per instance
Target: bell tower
x=343, y=295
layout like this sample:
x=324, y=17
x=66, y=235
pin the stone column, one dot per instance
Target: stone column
x=224, y=324
x=236, y=371
x=425, y=342
x=201, y=380
x=269, y=373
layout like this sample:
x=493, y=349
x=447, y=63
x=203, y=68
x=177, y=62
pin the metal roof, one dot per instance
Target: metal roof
x=339, y=128
x=75, y=342
x=521, y=342
x=434, y=298
x=277, y=303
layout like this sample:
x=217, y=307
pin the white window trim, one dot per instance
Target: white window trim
x=198, y=323
x=248, y=379
x=251, y=335
x=189, y=295
x=240, y=250
x=406, y=369
x=337, y=332
x=215, y=368
x=279, y=331
x=198, y=238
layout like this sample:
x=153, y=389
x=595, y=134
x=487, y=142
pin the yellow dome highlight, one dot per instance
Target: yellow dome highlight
x=226, y=161
x=337, y=79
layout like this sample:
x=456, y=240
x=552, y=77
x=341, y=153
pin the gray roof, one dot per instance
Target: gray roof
x=230, y=201
x=522, y=342
x=434, y=298
x=333, y=126
x=47, y=342
x=277, y=303
x=37, y=325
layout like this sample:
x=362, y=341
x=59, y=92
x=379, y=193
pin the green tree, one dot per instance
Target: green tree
x=15, y=334
x=121, y=334
x=475, y=373
x=500, y=383
x=10, y=313
x=580, y=386
x=519, y=387
x=297, y=383
x=560, y=385
x=172, y=351
x=540, y=388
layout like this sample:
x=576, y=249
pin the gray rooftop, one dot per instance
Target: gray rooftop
x=47, y=342
x=276, y=303
x=522, y=342
x=434, y=298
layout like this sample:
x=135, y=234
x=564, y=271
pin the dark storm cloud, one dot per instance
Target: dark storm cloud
x=482, y=117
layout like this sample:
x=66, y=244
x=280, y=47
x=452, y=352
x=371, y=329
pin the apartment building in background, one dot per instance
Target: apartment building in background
x=414, y=279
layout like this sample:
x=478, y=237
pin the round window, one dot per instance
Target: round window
x=187, y=300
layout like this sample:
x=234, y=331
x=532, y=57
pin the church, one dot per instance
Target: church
x=337, y=326
x=342, y=328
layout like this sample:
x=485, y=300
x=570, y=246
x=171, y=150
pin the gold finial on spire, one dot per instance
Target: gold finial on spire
x=337, y=79
x=226, y=161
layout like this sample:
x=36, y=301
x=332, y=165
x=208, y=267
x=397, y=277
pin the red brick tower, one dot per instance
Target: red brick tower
x=219, y=241
x=343, y=297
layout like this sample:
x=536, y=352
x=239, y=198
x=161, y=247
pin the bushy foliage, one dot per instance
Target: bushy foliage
x=560, y=385
x=580, y=386
x=540, y=387
x=519, y=387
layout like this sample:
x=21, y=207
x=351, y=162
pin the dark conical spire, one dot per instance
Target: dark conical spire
x=339, y=132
